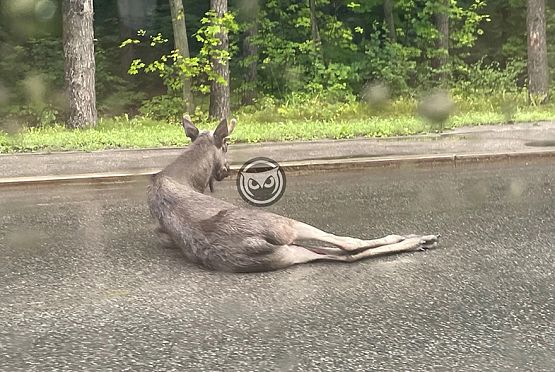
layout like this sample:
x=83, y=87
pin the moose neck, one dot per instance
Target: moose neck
x=193, y=168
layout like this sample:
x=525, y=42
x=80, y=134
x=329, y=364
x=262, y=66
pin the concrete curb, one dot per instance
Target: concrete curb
x=299, y=166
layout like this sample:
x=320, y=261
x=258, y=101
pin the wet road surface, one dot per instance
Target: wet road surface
x=85, y=285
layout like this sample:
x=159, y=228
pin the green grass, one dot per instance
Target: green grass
x=296, y=121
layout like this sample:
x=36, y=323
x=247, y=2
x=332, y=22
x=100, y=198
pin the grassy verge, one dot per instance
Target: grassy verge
x=276, y=124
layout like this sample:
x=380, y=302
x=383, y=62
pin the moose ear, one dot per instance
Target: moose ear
x=231, y=126
x=221, y=133
x=190, y=130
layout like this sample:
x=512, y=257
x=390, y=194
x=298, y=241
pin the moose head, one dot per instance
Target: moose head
x=211, y=146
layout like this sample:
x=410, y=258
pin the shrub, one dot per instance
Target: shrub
x=170, y=108
x=482, y=78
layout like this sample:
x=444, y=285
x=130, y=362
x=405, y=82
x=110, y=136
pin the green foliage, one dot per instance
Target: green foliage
x=304, y=107
x=298, y=79
x=293, y=122
x=165, y=107
x=466, y=23
x=172, y=66
x=393, y=64
x=483, y=78
x=291, y=62
x=33, y=70
x=355, y=50
x=170, y=108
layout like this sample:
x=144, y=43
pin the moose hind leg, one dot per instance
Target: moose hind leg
x=407, y=245
x=292, y=254
x=288, y=255
x=308, y=232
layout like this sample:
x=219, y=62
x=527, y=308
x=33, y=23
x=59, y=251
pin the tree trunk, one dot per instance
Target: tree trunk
x=250, y=53
x=79, y=64
x=314, y=27
x=182, y=44
x=389, y=20
x=442, y=43
x=220, y=93
x=538, y=72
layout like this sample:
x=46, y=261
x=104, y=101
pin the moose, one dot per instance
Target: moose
x=221, y=236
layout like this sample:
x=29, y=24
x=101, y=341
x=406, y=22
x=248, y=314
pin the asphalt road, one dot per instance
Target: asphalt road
x=85, y=285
